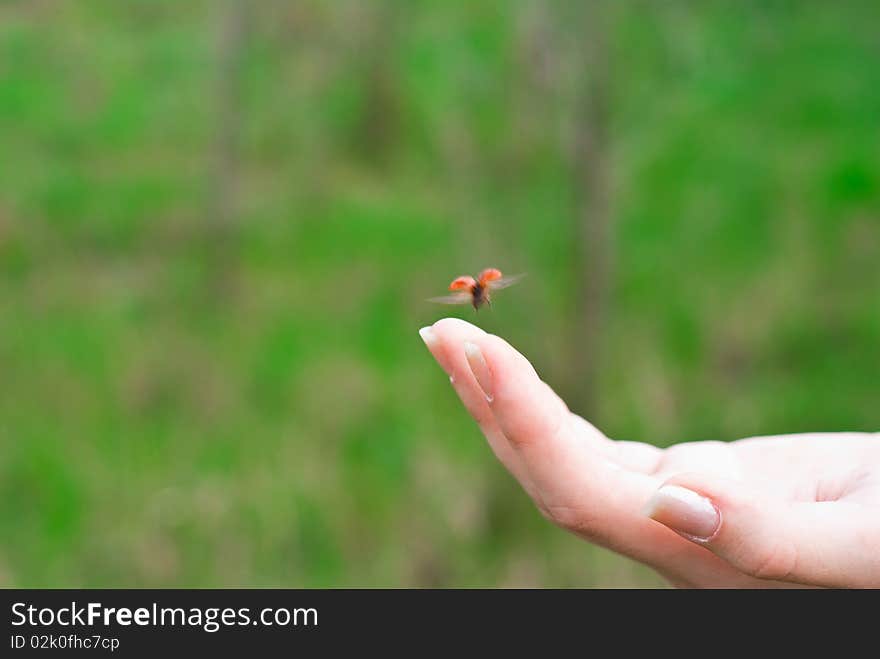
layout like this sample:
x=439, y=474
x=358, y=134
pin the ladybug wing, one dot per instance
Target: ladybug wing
x=463, y=283
x=458, y=298
x=489, y=275
x=504, y=282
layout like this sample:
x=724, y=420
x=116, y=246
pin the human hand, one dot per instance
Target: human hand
x=761, y=512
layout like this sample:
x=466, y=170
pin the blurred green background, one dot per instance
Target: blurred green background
x=219, y=222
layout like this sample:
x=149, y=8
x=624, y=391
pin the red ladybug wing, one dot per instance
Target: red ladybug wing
x=504, y=282
x=463, y=283
x=458, y=298
x=489, y=275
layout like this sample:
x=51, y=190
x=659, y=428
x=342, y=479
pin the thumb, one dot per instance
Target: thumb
x=827, y=543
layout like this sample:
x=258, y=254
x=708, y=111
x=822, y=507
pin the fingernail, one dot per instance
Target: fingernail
x=685, y=512
x=479, y=368
x=428, y=336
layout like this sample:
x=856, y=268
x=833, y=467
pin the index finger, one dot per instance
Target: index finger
x=576, y=483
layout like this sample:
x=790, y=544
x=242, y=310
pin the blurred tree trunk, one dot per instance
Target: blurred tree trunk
x=593, y=244
x=378, y=127
x=224, y=186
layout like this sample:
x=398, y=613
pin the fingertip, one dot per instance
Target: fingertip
x=428, y=336
x=451, y=327
x=684, y=511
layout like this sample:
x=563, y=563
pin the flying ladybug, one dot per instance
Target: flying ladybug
x=476, y=292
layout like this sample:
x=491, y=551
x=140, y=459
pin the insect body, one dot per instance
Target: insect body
x=476, y=292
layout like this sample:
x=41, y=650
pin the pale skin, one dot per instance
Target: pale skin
x=784, y=511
